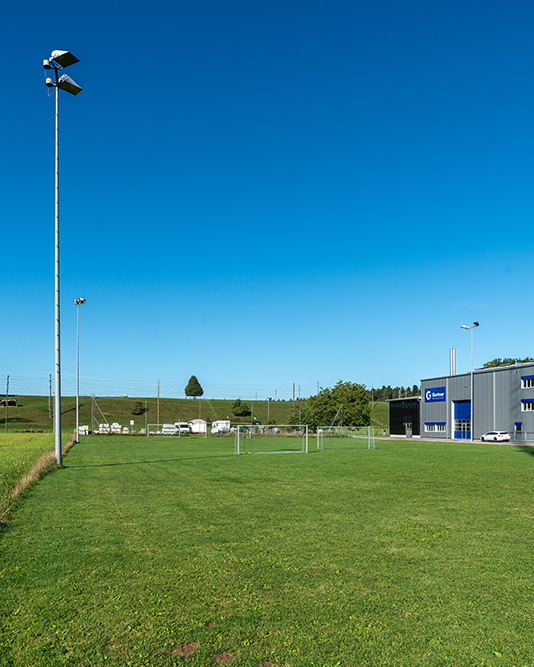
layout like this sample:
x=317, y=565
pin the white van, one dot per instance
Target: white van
x=182, y=428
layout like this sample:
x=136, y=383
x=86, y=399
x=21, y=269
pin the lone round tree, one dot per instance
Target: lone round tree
x=193, y=387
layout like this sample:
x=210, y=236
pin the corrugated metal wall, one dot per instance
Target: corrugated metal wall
x=497, y=397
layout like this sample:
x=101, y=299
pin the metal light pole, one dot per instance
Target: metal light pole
x=78, y=302
x=471, y=328
x=58, y=60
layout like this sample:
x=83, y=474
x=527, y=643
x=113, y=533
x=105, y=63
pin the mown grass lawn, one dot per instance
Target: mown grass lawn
x=164, y=552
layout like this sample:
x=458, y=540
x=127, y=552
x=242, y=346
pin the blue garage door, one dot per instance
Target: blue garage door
x=462, y=420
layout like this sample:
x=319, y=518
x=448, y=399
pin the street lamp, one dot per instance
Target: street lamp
x=471, y=328
x=58, y=60
x=78, y=302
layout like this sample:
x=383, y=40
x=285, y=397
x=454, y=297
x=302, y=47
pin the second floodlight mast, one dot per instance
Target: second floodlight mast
x=57, y=61
x=78, y=303
x=471, y=328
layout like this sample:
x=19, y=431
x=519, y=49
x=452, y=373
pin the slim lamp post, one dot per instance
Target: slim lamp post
x=58, y=60
x=471, y=328
x=78, y=302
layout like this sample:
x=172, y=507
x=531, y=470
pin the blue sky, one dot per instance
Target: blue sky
x=263, y=194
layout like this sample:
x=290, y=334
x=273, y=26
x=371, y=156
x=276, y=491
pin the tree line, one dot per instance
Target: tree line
x=385, y=393
x=507, y=361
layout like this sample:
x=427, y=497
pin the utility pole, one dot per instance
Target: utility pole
x=7, y=400
x=268, y=409
x=50, y=396
x=157, y=408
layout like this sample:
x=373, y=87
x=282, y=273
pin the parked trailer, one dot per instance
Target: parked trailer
x=198, y=426
x=220, y=426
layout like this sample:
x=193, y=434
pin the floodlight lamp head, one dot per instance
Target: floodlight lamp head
x=476, y=324
x=464, y=326
x=79, y=301
x=69, y=85
x=46, y=64
x=64, y=58
x=49, y=82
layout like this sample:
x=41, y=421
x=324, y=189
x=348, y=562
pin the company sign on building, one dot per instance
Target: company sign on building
x=435, y=395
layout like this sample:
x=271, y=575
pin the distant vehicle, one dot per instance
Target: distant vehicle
x=168, y=429
x=220, y=426
x=182, y=427
x=495, y=436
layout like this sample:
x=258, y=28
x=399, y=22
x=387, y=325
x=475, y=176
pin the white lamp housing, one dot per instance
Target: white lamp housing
x=64, y=58
x=68, y=84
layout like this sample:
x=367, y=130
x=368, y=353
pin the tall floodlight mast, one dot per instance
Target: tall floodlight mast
x=471, y=329
x=58, y=60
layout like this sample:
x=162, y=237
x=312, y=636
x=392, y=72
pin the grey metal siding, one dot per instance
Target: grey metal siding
x=433, y=411
x=497, y=398
x=483, y=404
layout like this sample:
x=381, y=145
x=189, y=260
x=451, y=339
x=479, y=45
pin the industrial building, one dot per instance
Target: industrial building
x=488, y=399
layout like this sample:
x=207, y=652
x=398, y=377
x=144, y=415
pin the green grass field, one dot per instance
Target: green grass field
x=176, y=551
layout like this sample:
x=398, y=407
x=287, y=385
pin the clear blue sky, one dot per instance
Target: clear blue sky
x=268, y=193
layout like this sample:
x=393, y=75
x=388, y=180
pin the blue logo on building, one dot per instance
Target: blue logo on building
x=435, y=395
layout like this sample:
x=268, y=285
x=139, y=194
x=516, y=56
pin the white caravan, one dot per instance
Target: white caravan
x=220, y=426
x=198, y=426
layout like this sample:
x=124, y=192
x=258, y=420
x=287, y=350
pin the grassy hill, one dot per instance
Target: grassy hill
x=32, y=412
x=380, y=415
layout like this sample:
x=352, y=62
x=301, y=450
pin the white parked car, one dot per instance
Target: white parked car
x=182, y=427
x=495, y=436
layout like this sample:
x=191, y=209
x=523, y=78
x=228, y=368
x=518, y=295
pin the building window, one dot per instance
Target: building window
x=462, y=425
x=434, y=428
x=527, y=382
x=527, y=406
